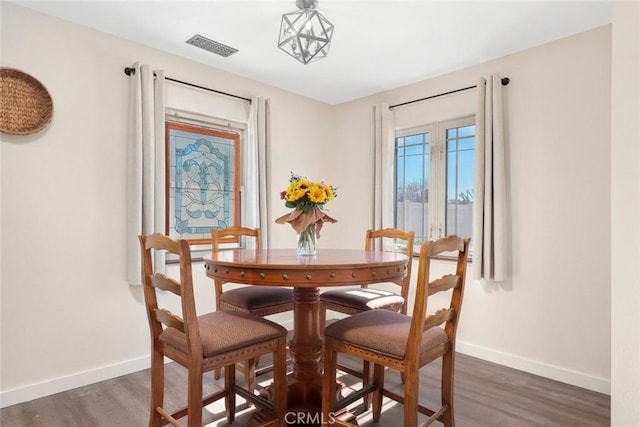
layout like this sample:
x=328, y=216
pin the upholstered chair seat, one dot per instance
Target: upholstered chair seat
x=257, y=300
x=355, y=300
x=223, y=332
x=385, y=333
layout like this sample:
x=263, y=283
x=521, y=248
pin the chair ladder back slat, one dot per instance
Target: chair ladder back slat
x=374, y=238
x=169, y=319
x=446, y=244
x=439, y=317
x=160, y=241
x=234, y=231
x=443, y=284
x=165, y=283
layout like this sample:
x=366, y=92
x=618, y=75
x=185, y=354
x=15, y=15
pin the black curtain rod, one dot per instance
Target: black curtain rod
x=129, y=71
x=505, y=81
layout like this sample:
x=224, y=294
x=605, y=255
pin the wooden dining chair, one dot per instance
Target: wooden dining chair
x=204, y=343
x=364, y=298
x=256, y=300
x=401, y=342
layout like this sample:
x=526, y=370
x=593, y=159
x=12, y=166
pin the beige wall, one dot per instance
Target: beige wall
x=625, y=211
x=65, y=296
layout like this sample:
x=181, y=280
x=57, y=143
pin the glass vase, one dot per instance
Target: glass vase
x=307, y=241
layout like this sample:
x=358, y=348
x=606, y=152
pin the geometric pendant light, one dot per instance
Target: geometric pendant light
x=305, y=34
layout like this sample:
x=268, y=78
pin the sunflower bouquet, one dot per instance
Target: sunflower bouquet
x=307, y=199
x=304, y=194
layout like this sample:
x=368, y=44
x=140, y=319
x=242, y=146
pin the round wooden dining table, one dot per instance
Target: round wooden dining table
x=306, y=274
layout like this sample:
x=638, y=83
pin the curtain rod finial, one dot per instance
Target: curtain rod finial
x=129, y=71
x=505, y=81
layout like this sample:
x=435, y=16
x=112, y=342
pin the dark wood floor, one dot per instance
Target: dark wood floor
x=486, y=395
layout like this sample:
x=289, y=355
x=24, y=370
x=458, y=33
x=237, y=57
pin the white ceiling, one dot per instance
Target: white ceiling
x=377, y=45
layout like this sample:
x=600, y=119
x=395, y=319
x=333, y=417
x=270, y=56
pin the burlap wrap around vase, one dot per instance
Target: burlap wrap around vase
x=307, y=226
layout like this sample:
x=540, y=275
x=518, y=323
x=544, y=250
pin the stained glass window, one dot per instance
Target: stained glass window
x=202, y=181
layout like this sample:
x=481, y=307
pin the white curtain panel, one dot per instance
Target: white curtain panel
x=384, y=157
x=255, y=210
x=490, y=195
x=145, y=165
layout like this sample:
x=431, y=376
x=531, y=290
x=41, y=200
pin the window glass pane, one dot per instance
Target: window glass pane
x=413, y=139
x=451, y=133
x=419, y=221
x=452, y=175
x=459, y=183
x=414, y=182
x=399, y=167
x=414, y=150
x=412, y=186
x=465, y=172
x=466, y=143
x=466, y=131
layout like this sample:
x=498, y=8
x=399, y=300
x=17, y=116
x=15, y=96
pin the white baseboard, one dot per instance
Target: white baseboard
x=567, y=376
x=80, y=379
x=57, y=385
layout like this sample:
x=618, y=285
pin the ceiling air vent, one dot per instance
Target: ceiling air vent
x=211, y=45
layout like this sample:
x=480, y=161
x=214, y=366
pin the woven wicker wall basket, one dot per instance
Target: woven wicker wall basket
x=25, y=104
